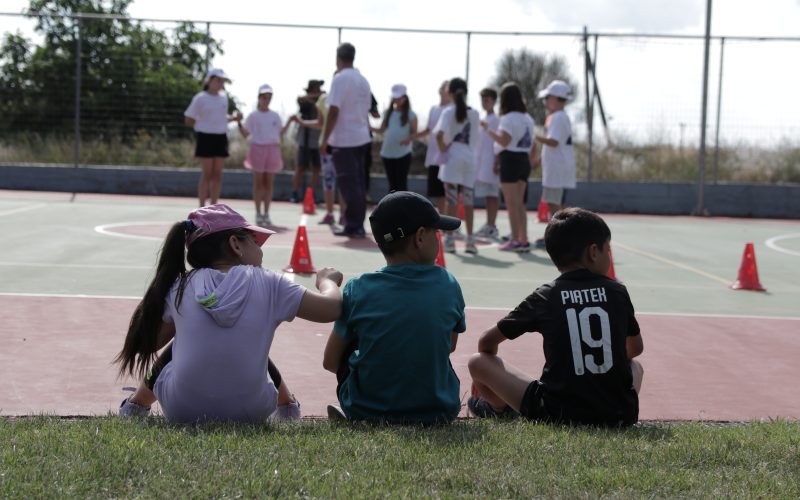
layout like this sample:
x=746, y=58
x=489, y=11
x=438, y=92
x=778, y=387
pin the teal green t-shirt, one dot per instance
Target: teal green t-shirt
x=402, y=318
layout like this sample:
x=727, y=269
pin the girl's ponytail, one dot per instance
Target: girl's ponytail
x=458, y=89
x=141, y=342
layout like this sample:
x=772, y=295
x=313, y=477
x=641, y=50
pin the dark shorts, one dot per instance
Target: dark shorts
x=435, y=186
x=532, y=405
x=211, y=145
x=514, y=167
x=308, y=157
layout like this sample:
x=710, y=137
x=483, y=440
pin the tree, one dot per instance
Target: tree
x=134, y=77
x=532, y=72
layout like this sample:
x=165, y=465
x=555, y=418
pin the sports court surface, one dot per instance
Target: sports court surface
x=73, y=271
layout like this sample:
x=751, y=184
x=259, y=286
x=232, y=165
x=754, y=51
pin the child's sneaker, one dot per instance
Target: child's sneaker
x=449, y=243
x=129, y=409
x=539, y=243
x=286, y=413
x=488, y=231
x=328, y=219
x=457, y=234
x=510, y=246
x=481, y=408
x=506, y=237
x=294, y=198
x=335, y=414
x=471, y=248
x=265, y=221
x=523, y=247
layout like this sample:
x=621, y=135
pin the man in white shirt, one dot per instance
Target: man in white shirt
x=347, y=134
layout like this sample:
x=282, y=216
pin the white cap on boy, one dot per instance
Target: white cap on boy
x=218, y=73
x=264, y=89
x=557, y=88
x=398, y=90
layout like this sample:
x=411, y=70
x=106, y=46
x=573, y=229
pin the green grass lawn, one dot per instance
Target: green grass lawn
x=107, y=457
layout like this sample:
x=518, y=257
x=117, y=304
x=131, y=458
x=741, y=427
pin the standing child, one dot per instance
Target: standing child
x=558, y=155
x=307, y=140
x=399, y=125
x=590, y=337
x=487, y=181
x=263, y=129
x=457, y=137
x=515, y=137
x=433, y=157
x=208, y=115
x=221, y=317
x=390, y=349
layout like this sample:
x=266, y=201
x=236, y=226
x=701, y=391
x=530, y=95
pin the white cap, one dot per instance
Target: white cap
x=398, y=90
x=217, y=72
x=556, y=88
x=264, y=89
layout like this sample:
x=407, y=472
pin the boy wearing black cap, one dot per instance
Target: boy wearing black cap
x=390, y=348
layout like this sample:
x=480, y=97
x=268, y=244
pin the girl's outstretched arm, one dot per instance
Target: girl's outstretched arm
x=325, y=305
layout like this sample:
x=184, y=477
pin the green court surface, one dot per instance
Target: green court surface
x=106, y=245
x=73, y=270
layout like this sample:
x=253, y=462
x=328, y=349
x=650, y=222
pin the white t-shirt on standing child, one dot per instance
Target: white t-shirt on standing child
x=463, y=139
x=521, y=129
x=558, y=163
x=264, y=127
x=209, y=112
x=351, y=94
x=433, y=157
x=486, y=152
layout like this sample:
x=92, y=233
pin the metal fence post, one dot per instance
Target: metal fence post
x=701, y=180
x=719, y=107
x=589, y=117
x=340, y=35
x=76, y=151
x=466, y=74
x=208, y=46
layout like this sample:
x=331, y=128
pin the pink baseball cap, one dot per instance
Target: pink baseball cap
x=221, y=217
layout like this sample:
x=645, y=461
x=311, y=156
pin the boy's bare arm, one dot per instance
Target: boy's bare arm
x=546, y=141
x=489, y=340
x=634, y=346
x=334, y=350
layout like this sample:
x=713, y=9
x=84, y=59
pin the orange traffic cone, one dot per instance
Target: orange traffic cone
x=543, y=213
x=440, y=255
x=309, y=207
x=748, y=272
x=460, y=208
x=301, y=255
x=611, y=273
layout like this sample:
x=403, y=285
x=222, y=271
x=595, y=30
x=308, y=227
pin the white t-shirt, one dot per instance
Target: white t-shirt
x=558, y=163
x=486, y=152
x=219, y=354
x=350, y=93
x=433, y=156
x=520, y=127
x=209, y=112
x=464, y=136
x=264, y=127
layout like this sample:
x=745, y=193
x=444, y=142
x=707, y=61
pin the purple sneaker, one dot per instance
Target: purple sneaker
x=328, y=219
x=510, y=246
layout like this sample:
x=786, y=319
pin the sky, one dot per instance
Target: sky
x=651, y=88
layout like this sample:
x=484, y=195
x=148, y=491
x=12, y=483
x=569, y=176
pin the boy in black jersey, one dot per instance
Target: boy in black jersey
x=590, y=337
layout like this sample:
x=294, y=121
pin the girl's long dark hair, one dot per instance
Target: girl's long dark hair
x=458, y=88
x=405, y=108
x=141, y=342
x=511, y=99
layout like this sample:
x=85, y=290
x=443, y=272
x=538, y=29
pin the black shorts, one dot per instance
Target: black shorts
x=514, y=167
x=435, y=186
x=211, y=145
x=532, y=405
x=308, y=157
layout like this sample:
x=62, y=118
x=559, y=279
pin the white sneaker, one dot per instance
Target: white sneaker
x=458, y=234
x=471, y=248
x=488, y=231
x=286, y=413
x=129, y=409
x=449, y=244
x=265, y=221
x=335, y=414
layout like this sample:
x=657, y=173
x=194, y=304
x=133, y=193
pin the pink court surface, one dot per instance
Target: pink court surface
x=73, y=271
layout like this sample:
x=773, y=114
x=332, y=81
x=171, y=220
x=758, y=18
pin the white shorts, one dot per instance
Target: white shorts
x=486, y=190
x=553, y=196
x=459, y=169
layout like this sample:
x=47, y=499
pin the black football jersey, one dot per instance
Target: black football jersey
x=584, y=319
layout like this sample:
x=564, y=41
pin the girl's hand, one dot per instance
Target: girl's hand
x=329, y=273
x=238, y=115
x=406, y=141
x=484, y=125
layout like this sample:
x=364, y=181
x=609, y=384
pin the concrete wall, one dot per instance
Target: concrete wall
x=674, y=198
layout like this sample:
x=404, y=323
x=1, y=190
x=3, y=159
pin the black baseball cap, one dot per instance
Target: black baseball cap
x=400, y=213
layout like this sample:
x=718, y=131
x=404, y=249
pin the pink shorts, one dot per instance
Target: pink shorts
x=264, y=158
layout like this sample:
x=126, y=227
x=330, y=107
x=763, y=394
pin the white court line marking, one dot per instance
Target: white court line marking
x=671, y=262
x=104, y=229
x=23, y=209
x=474, y=308
x=773, y=243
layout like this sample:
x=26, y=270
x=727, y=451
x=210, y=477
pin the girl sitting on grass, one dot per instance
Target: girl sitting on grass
x=219, y=319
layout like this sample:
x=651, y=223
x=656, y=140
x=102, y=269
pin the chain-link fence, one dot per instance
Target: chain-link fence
x=93, y=89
